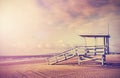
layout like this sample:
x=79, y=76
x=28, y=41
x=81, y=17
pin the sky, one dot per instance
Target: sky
x=32, y=27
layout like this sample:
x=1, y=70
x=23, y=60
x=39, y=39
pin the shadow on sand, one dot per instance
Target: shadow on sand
x=113, y=64
x=108, y=64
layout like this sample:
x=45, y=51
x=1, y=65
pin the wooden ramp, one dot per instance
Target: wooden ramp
x=95, y=53
x=62, y=56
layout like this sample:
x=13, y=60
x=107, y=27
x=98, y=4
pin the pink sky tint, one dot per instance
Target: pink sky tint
x=30, y=27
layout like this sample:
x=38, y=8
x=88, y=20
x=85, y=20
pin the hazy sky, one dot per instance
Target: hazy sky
x=48, y=26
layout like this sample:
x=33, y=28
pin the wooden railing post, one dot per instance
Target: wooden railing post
x=103, y=59
x=65, y=56
x=56, y=59
x=79, y=59
x=48, y=61
x=95, y=51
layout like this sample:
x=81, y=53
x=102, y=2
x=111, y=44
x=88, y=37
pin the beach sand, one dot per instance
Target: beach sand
x=67, y=69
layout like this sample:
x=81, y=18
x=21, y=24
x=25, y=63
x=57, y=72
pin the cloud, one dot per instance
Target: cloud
x=69, y=10
x=98, y=3
x=115, y=2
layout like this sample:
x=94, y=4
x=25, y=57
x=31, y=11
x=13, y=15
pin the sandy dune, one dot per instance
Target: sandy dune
x=68, y=69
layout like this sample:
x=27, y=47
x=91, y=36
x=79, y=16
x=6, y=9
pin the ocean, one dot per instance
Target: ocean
x=16, y=59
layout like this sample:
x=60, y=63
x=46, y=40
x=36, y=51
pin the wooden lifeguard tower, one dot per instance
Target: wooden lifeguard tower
x=86, y=52
x=97, y=49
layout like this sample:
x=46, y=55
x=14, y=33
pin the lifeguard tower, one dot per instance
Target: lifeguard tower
x=100, y=47
x=96, y=52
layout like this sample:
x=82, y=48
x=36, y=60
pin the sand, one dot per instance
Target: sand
x=68, y=69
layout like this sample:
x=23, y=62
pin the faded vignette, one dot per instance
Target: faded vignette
x=59, y=38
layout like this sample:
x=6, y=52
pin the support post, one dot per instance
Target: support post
x=95, y=52
x=104, y=45
x=107, y=43
x=48, y=61
x=79, y=59
x=76, y=52
x=56, y=60
x=103, y=59
x=65, y=56
x=95, y=46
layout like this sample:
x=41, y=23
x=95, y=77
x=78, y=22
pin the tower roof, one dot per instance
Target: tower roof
x=95, y=36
